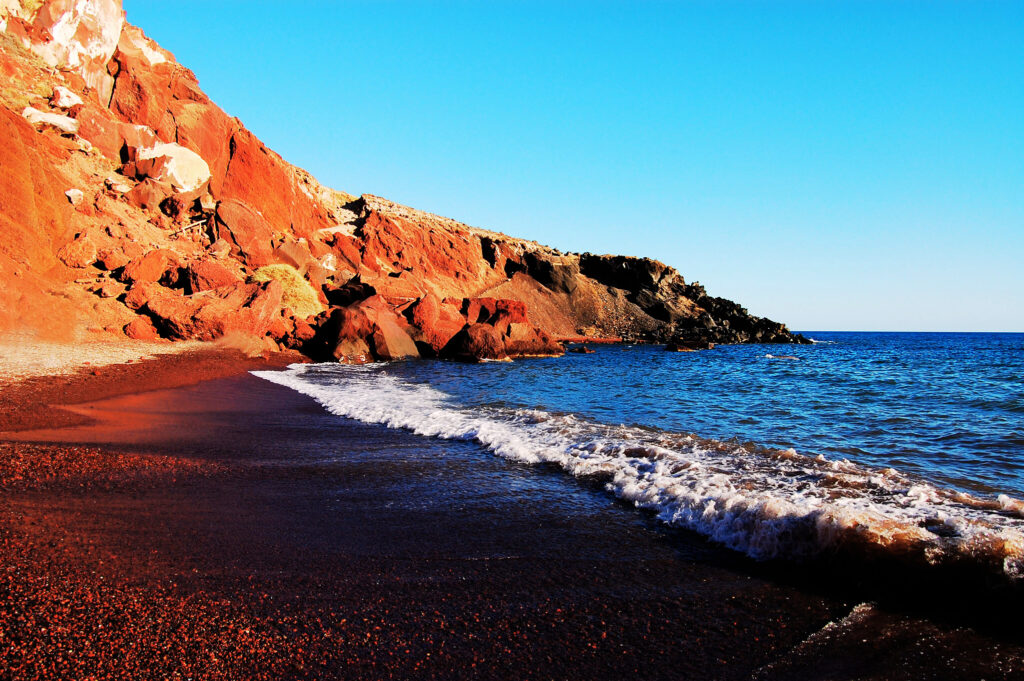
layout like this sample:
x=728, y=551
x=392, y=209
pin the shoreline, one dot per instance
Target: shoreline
x=34, y=401
x=236, y=524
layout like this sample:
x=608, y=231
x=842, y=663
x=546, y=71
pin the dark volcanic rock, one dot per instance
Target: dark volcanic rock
x=723, y=321
x=351, y=292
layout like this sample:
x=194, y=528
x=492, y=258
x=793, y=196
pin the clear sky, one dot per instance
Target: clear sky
x=831, y=165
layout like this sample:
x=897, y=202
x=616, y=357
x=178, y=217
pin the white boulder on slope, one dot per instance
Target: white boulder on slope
x=182, y=168
x=64, y=98
x=39, y=118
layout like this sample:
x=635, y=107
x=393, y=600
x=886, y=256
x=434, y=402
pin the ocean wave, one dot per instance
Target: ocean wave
x=765, y=503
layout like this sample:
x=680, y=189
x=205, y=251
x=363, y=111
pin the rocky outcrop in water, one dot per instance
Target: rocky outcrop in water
x=133, y=205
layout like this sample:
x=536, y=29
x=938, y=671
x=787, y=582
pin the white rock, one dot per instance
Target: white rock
x=64, y=98
x=183, y=168
x=75, y=196
x=83, y=37
x=118, y=185
x=62, y=123
x=329, y=262
x=82, y=31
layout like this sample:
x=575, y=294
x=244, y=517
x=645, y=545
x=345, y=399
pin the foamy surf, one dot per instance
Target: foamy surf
x=765, y=503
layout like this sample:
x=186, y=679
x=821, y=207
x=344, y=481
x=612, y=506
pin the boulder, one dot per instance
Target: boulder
x=434, y=323
x=350, y=292
x=75, y=196
x=206, y=275
x=390, y=339
x=81, y=252
x=474, y=343
x=344, y=336
x=219, y=248
x=111, y=136
x=109, y=289
x=141, y=328
x=138, y=296
x=525, y=340
x=118, y=255
x=303, y=332
x=118, y=185
x=40, y=119
x=207, y=130
x=320, y=277
x=183, y=169
x=149, y=194
x=161, y=265
x=280, y=328
x=508, y=312
x=365, y=331
x=296, y=254
x=64, y=98
x=245, y=308
x=478, y=310
x=112, y=258
x=249, y=234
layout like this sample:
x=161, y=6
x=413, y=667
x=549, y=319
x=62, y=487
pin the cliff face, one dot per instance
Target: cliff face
x=132, y=204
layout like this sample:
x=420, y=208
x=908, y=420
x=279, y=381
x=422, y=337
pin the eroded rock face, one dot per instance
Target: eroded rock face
x=248, y=232
x=34, y=218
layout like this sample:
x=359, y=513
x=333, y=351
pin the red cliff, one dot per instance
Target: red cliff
x=132, y=205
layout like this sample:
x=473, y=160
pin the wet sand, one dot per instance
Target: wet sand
x=231, y=529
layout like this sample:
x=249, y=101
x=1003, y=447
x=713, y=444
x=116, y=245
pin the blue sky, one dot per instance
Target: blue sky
x=831, y=165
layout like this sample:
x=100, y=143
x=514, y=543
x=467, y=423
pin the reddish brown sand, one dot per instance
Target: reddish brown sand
x=232, y=529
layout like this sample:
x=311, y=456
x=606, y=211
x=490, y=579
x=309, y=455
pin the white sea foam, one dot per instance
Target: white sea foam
x=765, y=503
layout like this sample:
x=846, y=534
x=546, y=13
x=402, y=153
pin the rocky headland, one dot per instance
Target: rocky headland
x=132, y=206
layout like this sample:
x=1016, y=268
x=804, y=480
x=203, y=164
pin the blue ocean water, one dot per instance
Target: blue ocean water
x=947, y=406
x=908, y=441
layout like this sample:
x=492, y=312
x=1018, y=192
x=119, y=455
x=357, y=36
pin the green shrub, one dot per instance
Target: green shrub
x=299, y=294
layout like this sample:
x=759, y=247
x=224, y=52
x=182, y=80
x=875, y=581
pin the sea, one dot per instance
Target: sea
x=906, y=445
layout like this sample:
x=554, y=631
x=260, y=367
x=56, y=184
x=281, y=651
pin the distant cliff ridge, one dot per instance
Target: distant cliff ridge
x=134, y=206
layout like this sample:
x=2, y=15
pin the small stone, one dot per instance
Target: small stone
x=75, y=196
x=64, y=98
x=117, y=184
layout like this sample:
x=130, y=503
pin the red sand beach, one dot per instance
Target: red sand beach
x=186, y=520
